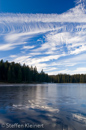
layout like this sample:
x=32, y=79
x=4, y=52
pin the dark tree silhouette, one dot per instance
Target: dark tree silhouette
x=65, y=78
x=16, y=73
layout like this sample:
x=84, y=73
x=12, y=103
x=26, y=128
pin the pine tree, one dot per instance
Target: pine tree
x=9, y=74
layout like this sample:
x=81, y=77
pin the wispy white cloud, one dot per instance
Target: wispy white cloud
x=76, y=14
x=28, y=47
x=63, y=36
x=13, y=56
x=80, y=70
x=6, y=47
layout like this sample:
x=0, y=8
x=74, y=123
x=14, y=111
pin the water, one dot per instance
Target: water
x=43, y=107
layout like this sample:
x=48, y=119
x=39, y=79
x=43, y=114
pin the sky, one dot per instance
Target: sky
x=48, y=34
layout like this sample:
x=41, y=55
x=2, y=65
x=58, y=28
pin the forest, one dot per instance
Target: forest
x=17, y=73
x=66, y=78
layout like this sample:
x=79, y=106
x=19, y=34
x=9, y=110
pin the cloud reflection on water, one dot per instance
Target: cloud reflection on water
x=57, y=106
x=80, y=118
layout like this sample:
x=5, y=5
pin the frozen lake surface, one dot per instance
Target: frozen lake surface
x=43, y=107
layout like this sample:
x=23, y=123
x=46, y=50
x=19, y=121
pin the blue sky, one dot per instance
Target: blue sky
x=49, y=34
x=36, y=6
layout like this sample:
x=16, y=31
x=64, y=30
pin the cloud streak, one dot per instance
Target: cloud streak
x=76, y=14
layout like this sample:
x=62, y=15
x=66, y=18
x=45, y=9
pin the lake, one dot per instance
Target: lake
x=43, y=107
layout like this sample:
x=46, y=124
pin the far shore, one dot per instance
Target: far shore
x=34, y=83
x=17, y=84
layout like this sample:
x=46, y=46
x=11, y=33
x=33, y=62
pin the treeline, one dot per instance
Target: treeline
x=17, y=73
x=65, y=78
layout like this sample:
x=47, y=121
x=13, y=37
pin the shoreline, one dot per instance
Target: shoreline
x=20, y=84
x=26, y=84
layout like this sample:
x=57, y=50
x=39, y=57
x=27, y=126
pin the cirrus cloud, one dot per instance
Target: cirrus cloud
x=45, y=40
